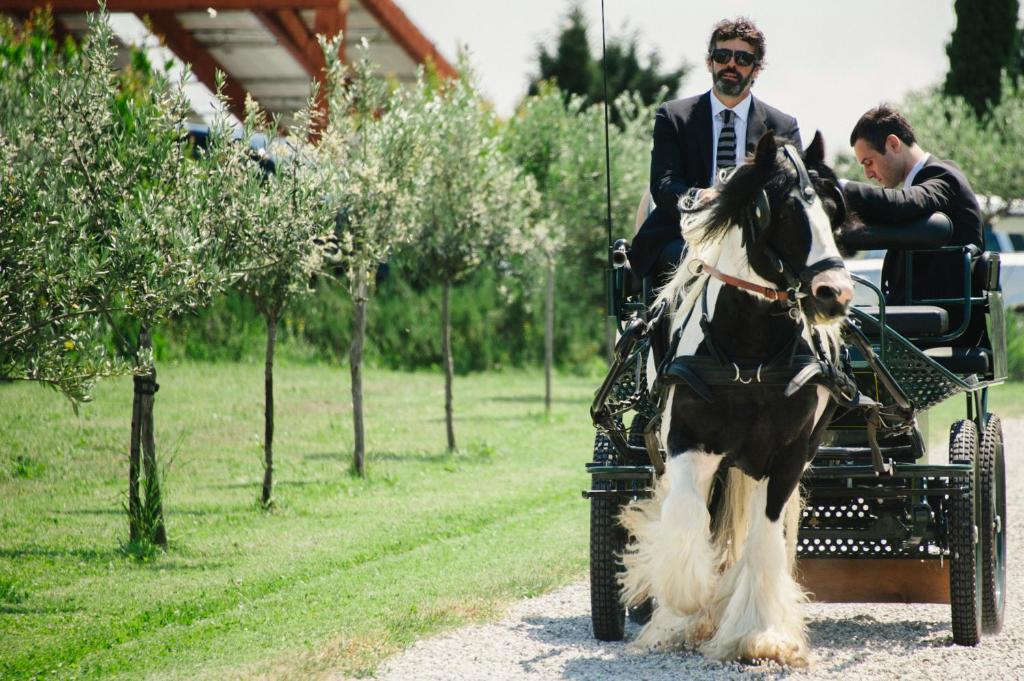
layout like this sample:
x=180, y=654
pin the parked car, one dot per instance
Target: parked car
x=868, y=264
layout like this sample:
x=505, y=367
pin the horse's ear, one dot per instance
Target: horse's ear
x=764, y=155
x=815, y=153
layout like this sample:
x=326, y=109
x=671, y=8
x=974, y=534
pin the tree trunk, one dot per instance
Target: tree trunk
x=268, y=410
x=549, y=332
x=135, y=530
x=446, y=352
x=154, y=493
x=355, y=362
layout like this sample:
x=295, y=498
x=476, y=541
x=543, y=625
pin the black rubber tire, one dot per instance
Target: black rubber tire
x=992, y=526
x=964, y=552
x=607, y=542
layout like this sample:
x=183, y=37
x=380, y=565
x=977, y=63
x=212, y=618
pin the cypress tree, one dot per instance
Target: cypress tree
x=577, y=72
x=983, y=44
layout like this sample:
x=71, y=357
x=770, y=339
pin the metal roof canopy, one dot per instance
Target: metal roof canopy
x=267, y=48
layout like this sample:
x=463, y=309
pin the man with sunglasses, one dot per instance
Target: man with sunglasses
x=696, y=137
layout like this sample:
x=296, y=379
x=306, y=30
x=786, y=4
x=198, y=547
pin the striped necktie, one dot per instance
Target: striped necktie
x=726, y=153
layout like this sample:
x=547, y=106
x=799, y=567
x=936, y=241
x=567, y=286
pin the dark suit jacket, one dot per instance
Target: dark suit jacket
x=939, y=186
x=681, y=159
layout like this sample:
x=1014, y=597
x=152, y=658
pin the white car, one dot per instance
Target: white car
x=1011, y=278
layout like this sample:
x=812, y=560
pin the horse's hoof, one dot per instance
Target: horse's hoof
x=700, y=627
x=768, y=646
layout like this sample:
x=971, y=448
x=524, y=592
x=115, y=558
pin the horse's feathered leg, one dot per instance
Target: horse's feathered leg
x=758, y=607
x=670, y=555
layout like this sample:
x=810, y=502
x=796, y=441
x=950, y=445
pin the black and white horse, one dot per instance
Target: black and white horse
x=755, y=307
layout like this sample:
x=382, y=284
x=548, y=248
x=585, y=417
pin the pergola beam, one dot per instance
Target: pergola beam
x=407, y=36
x=204, y=65
x=290, y=31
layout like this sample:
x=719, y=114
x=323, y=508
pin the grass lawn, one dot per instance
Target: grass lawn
x=342, y=573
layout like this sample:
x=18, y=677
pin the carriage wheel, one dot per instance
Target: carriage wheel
x=607, y=542
x=964, y=551
x=992, y=490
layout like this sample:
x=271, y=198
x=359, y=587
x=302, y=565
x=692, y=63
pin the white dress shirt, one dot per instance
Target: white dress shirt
x=741, y=113
x=909, y=180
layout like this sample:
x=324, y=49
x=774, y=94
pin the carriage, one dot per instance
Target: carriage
x=885, y=518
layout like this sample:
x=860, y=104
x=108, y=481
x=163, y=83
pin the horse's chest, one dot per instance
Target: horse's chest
x=746, y=423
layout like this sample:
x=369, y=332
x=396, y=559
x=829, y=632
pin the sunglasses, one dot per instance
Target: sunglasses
x=722, y=55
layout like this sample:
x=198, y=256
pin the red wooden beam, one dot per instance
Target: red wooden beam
x=331, y=21
x=408, y=37
x=165, y=5
x=289, y=30
x=328, y=22
x=204, y=66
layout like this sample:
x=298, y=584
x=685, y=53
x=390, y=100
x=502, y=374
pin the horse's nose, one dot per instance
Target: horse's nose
x=833, y=285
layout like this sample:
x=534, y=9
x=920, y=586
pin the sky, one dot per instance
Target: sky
x=827, y=62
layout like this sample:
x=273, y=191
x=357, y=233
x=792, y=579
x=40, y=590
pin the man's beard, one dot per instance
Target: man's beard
x=731, y=88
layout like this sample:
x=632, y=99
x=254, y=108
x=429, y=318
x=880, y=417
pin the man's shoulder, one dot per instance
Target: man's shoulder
x=686, y=105
x=943, y=170
x=777, y=116
x=936, y=167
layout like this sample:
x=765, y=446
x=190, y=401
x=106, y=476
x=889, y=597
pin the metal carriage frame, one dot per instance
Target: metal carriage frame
x=883, y=519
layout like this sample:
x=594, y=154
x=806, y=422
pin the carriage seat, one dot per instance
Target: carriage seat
x=909, y=320
x=974, y=360
x=934, y=231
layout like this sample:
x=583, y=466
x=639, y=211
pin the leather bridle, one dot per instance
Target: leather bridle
x=760, y=219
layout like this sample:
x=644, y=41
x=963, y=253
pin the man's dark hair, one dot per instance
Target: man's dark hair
x=742, y=28
x=880, y=122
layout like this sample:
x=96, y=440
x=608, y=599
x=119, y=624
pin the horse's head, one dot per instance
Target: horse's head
x=789, y=207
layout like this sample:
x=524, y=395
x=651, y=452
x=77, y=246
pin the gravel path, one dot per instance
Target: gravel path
x=550, y=638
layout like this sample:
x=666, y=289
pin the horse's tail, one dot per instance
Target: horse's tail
x=732, y=520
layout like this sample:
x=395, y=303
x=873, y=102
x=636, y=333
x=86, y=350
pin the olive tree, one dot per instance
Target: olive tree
x=108, y=224
x=560, y=143
x=283, y=219
x=535, y=139
x=475, y=203
x=370, y=149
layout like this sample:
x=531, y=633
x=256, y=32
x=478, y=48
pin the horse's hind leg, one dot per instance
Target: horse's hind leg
x=759, y=606
x=670, y=556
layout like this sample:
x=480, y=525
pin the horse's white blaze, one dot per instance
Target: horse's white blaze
x=758, y=603
x=823, y=243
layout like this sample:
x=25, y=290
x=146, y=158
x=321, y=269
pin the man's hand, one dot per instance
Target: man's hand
x=706, y=196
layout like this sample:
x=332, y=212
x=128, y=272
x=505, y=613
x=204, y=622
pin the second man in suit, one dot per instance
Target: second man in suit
x=696, y=137
x=915, y=184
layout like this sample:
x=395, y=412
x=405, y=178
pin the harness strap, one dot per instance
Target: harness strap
x=702, y=373
x=766, y=291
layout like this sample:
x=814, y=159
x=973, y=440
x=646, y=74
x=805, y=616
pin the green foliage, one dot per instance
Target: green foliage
x=475, y=203
x=282, y=214
x=146, y=518
x=1015, y=345
x=370, y=151
x=104, y=215
x=986, y=148
x=576, y=72
x=982, y=46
